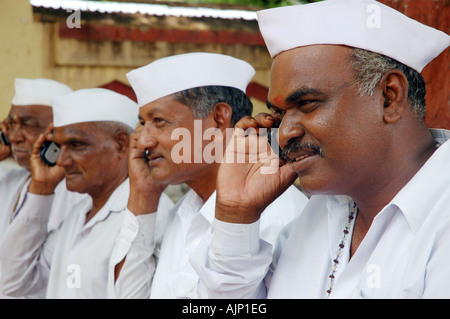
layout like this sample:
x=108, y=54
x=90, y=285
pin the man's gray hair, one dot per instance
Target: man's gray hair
x=371, y=67
x=201, y=100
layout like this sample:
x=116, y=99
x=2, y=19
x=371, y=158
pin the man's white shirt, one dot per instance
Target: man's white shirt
x=405, y=253
x=175, y=237
x=72, y=261
x=14, y=182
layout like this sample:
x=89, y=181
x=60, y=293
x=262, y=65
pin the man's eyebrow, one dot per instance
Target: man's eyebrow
x=297, y=94
x=270, y=106
x=28, y=118
x=151, y=112
x=301, y=92
x=22, y=118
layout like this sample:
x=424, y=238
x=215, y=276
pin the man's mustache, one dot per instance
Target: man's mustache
x=296, y=147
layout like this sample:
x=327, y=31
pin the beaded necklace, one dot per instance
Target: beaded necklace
x=348, y=226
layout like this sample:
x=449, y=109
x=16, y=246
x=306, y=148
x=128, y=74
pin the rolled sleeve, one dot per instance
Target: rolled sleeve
x=234, y=265
x=135, y=243
x=235, y=239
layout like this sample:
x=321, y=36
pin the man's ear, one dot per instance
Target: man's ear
x=395, y=92
x=222, y=113
x=122, y=140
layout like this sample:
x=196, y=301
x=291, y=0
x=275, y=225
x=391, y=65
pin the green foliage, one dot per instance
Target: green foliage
x=256, y=3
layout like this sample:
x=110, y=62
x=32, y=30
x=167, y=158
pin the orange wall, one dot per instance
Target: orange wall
x=435, y=13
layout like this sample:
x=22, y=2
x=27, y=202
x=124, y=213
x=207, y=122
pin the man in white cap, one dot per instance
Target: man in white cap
x=92, y=128
x=351, y=103
x=29, y=116
x=190, y=95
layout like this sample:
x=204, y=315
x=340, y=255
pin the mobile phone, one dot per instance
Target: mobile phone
x=4, y=139
x=272, y=138
x=49, y=153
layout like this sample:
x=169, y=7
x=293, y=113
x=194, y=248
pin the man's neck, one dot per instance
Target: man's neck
x=370, y=201
x=101, y=198
x=204, y=185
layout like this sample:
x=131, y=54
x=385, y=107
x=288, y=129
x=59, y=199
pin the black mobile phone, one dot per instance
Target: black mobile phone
x=49, y=153
x=4, y=139
x=272, y=138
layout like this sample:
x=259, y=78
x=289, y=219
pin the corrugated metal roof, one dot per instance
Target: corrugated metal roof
x=143, y=8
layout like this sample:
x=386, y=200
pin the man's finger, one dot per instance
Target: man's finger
x=38, y=144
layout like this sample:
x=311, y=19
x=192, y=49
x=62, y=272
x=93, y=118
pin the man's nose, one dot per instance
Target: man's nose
x=64, y=159
x=290, y=129
x=146, y=138
x=15, y=133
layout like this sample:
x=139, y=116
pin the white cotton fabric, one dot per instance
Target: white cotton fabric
x=364, y=24
x=37, y=91
x=185, y=71
x=94, y=105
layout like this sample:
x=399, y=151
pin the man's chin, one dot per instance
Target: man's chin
x=25, y=165
x=74, y=183
x=163, y=177
x=23, y=161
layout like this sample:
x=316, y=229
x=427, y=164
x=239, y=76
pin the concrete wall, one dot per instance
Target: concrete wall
x=435, y=13
x=23, y=47
x=34, y=49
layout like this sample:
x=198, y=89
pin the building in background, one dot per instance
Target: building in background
x=95, y=43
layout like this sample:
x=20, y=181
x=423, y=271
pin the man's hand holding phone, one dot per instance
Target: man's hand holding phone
x=5, y=145
x=144, y=192
x=244, y=190
x=45, y=174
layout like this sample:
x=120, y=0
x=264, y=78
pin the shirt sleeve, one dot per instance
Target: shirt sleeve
x=437, y=279
x=235, y=264
x=135, y=244
x=26, y=249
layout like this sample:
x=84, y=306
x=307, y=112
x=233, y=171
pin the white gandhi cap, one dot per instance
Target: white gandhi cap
x=37, y=91
x=94, y=105
x=364, y=24
x=186, y=71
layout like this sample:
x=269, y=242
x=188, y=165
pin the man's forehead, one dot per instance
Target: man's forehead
x=30, y=111
x=164, y=105
x=78, y=130
x=324, y=54
x=150, y=108
x=311, y=68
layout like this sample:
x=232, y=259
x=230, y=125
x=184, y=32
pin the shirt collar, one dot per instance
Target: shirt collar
x=193, y=204
x=116, y=203
x=209, y=208
x=417, y=197
x=189, y=204
x=334, y=201
x=440, y=135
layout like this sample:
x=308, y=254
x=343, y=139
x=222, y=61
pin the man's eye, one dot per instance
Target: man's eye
x=308, y=106
x=277, y=113
x=159, y=121
x=76, y=144
x=30, y=125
